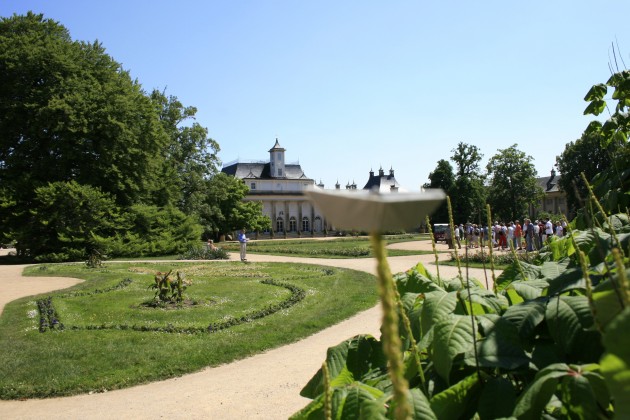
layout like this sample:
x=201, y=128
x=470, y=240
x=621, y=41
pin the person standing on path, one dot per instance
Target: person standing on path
x=242, y=239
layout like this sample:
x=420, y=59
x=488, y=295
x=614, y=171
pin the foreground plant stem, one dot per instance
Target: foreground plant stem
x=489, y=239
x=451, y=226
x=391, y=338
x=327, y=393
x=435, y=253
x=414, y=345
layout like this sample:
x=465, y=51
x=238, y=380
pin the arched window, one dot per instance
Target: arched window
x=318, y=224
x=292, y=224
x=279, y=224
x=306, y=225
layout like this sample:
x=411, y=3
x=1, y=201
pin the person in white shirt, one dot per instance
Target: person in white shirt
x=559, y=230
x=511, y=239
x=548, y=230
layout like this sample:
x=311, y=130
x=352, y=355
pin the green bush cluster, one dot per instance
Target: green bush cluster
x=201, y=252
x=498, y=258
x=550, y=341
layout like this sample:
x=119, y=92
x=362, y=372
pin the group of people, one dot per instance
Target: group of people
x=529, y=236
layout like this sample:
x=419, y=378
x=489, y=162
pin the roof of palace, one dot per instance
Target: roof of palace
x=382, y=182
x=262, y=170
x=549, y=184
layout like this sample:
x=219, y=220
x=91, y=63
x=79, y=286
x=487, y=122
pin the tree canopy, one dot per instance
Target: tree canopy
x=583, y=155
x=73, y=120
x=468, y=193
x=612, y=184
x=444, y=178
x=512, y=183
x=225, y=210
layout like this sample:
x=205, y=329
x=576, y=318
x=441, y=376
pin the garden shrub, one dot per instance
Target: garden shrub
x=201, y=252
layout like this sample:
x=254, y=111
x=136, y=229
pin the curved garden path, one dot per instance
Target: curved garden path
x=264, y=386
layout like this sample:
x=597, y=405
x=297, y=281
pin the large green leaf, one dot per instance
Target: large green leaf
x=352, y=401
x=526, y=316
x=412, y=305
x=415, y=281
x=453, y=336
x=360, y=358
x=598, y=384
x=608, y=301
x=420, y=405
x=454, y=402
x=615, y=365
x=576, y=394
x=567, y=280
x=500, y=348
x=533, y=401
x=596, y=107
x=484, y=301
x=437, y=305
x=497, y=399
x=527, y=290
x=561, y=247
x=552, y=269
x=618, y=222
x=347, y=402
x=569, y=321
x=597, y=92
x=578, y=397
x=513, y=273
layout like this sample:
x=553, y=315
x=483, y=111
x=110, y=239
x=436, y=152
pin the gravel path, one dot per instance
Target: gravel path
x=264, y=386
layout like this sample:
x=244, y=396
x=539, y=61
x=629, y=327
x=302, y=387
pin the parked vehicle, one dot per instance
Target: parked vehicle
x=439, y=232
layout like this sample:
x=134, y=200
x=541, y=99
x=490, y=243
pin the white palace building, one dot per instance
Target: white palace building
x=280, y=187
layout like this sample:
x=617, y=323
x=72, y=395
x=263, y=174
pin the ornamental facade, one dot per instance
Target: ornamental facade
x=280, y=187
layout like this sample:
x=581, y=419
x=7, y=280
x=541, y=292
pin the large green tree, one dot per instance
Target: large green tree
x=225, y=211
x=191, y=154
x=468, y=194
x=512, y=184
x=68, y=111
x=72, y=120
x=442, y=177
x=585, y=155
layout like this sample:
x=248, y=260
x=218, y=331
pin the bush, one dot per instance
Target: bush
x=200, y=252
x=498, y=259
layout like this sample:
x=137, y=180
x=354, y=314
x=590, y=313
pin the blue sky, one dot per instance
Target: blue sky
x=351, y=86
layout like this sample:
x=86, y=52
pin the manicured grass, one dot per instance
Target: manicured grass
x=103, y=346
x=350, y=247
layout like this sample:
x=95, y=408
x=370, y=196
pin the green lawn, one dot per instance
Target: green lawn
x=112, y=340
x=349, y=247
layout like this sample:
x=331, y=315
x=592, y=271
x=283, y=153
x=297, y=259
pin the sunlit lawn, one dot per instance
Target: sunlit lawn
x=347, y=247
x=102, y=346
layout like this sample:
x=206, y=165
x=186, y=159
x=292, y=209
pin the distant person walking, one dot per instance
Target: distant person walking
x=242, y=239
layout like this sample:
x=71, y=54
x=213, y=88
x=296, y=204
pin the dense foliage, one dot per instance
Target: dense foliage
x=226, y=212
x=89, y=162
x=468, y=193
x=443, y=178
x=512, y=184
x=531, y=346
x=585, y=155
